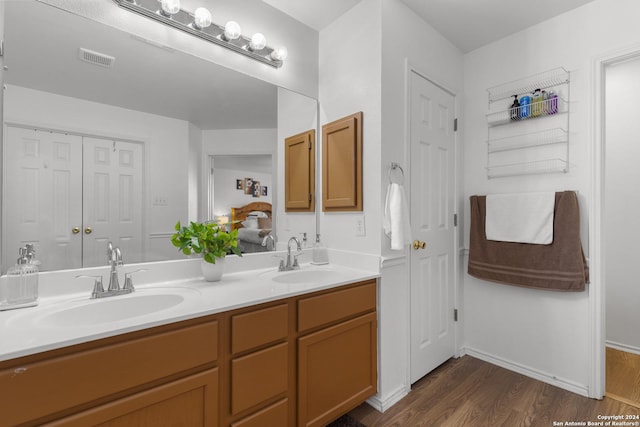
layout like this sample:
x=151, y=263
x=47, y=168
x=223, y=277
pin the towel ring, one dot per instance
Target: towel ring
x=393, y=167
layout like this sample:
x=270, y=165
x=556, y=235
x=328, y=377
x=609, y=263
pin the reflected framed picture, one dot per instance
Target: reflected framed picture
x=263, y=190
x=248, y=186
x=256, y=189
x=239, y=184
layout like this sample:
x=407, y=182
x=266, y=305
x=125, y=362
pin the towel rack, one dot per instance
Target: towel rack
x=393, y=167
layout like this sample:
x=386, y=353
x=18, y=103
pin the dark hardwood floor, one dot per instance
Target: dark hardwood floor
x=470, y=392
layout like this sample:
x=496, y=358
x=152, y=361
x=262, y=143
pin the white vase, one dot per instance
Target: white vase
x=213, y=272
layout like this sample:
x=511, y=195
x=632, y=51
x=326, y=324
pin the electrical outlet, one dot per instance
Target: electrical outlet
x=360, y=227
x=161, y=201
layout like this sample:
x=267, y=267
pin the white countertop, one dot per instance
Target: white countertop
x=31, y=330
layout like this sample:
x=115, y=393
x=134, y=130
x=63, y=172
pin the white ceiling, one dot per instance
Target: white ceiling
x=468, y=24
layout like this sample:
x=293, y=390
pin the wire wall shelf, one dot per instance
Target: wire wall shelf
x=528, y=140
x=528, y=168
x=544, y=80
x=533, y=138
x=536, y=110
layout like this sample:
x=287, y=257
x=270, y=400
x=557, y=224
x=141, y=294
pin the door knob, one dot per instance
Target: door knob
x=417, y=244
x=75, y=230
x=88, y=230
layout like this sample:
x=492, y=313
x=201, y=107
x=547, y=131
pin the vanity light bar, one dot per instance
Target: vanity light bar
x=184, y=21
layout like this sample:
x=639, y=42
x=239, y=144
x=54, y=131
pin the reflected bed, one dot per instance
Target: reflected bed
x=254, y=225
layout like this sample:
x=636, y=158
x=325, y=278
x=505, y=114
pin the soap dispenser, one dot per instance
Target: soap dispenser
x=21, y=287
x=319, y=254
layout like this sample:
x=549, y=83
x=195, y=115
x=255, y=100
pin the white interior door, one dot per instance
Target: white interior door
x=432, y=201
x=112, y=199
x=43, y=197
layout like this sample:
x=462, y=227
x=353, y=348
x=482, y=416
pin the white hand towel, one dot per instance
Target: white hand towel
x=521, y=217
x=396, y=217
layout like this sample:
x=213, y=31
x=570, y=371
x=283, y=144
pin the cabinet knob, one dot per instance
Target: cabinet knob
x=75, y=230
x=88, y=230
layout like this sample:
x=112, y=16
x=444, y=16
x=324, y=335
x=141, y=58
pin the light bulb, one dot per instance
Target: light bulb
x=232, y=30
x=258, y=42
x=201, y=18
x=170, y=7
x=280, y=53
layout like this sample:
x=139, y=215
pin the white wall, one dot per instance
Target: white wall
x=299, y=72
x=350, y=81
x=543, y=334
x=622, y=205
x=166, y=148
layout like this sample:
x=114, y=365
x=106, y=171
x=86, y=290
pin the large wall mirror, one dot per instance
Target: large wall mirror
x=110, y=137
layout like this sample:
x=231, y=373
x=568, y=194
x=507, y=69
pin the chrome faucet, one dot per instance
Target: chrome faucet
x=265, y=242
x=114, y=258
x=292, y=265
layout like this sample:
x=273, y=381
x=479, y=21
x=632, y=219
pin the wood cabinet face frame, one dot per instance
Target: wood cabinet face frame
x=342, y=164
x=300, y=172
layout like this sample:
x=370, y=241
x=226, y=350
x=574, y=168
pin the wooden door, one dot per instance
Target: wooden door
x=342, y=164
x=43, y=197
x=337, y=370
x=432, y=206
x=299, y=173
x=112, y=200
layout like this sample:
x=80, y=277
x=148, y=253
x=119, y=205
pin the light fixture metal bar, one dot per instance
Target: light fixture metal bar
x=183, y=20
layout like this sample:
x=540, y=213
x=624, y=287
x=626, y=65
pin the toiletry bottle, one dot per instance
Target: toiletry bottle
x=536, y=103
x=32, y=285
x=552, y=103
x=545, y=100
x=525, y=106
x=319, y=254
x=21, y=279
x=514, y=111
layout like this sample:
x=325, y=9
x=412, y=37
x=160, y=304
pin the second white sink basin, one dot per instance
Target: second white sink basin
x=307, y=276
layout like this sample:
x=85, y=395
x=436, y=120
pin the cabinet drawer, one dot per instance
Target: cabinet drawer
x=274, y=415
x=260, y=327
x=190, y=401
x=337, y=305
x=33, y=390
x=259, y=376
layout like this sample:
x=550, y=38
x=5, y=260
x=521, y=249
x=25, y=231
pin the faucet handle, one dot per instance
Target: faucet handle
x=281, y=266
x=128, y=281
x=97, y=285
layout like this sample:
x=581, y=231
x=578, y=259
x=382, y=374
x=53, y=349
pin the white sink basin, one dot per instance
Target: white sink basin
x=86, y=312
x=110, y=309
x=307, y=276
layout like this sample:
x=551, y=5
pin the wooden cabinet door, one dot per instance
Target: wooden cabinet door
x=299, y=172
x=342, y=164
x=191, y=401
x=337, y=370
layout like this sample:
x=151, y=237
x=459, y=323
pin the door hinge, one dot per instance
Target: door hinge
x=309, y=144
x=309, y=196
x=455, y=314
x=455, y=219
x=455, y=124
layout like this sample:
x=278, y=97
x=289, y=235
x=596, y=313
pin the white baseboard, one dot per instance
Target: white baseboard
x=382, y=405
x=623, y=347
x=571, y=386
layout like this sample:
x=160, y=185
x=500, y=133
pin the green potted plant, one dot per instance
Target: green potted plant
x=210, y=240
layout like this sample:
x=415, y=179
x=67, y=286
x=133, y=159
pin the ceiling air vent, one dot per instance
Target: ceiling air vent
x=96, y=58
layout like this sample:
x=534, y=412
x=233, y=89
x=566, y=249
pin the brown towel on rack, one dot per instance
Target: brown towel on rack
x=559, y=266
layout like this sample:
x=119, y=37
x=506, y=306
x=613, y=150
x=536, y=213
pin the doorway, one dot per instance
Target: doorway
x=69, y=195
x=621, y=228
x=432, y=195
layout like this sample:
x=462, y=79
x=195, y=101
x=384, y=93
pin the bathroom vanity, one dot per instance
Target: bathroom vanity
x=300, y=352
